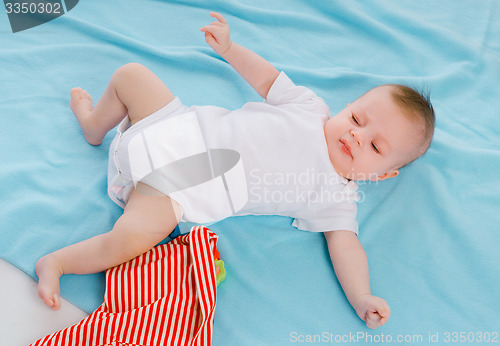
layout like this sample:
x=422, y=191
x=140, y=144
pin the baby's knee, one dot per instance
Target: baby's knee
x=134, y=236
x=130, y=71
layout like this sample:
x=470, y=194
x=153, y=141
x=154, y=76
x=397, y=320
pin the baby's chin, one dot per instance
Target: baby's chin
x=361, y=176
x=346, y=174
x=349, y=173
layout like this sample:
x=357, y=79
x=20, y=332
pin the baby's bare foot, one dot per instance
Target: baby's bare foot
x=49, y=272
x=82, y=106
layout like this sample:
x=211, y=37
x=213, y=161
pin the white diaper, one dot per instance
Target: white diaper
x=166, y=151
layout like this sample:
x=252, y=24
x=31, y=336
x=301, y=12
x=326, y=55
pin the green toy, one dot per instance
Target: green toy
x=220, y=271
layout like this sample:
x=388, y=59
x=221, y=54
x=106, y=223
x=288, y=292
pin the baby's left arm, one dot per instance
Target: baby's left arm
x=351, y=266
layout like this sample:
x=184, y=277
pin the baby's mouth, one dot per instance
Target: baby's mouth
x=345, y=148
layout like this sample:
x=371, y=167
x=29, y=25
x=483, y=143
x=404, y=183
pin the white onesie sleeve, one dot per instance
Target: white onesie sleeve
x=285, y=92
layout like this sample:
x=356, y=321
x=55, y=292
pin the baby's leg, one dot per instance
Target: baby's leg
x=132, y=90
x=147, y=219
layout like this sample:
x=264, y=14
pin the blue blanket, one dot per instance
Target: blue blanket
x=431, y=234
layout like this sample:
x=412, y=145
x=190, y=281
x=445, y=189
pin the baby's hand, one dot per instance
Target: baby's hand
x=217, y=34
x=373, y=310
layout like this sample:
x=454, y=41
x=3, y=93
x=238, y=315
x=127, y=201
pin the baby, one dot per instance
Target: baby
x=289, y=135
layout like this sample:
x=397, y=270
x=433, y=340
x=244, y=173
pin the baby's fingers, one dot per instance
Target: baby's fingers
x=218, y=16
x=217, y=34
x=214, y=24
x=373, y=320
x=206, y=28
x=210, y=38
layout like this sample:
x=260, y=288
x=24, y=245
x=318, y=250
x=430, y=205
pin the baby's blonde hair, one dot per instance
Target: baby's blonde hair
x=418, y=108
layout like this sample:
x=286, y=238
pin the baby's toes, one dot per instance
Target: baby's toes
x=51, y=300
x=76, y=92
x=86, y=95
x=57, y=302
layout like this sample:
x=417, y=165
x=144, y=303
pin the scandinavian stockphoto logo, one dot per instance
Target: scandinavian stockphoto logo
x=26, y=14
x=210, y=184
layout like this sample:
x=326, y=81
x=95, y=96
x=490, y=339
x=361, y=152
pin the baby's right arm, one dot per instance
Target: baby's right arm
x=257, y=71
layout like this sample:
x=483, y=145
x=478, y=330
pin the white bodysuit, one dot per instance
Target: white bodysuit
x=267, y=158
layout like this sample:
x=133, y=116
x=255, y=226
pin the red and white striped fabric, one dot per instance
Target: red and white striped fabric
x=164, y=297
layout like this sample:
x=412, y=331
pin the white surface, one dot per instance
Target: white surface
x=24, y=318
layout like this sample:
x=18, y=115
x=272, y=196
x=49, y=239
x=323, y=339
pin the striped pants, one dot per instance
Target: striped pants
x=166, y=296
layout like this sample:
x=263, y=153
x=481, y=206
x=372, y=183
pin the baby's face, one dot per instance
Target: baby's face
x=369, y=138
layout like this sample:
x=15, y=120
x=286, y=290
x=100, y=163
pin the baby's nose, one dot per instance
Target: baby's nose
x=356, y=136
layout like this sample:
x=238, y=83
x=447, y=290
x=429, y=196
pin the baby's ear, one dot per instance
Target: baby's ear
x=391, y=174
